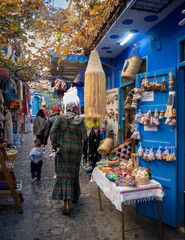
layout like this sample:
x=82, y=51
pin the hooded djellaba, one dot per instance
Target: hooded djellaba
x=66, y=136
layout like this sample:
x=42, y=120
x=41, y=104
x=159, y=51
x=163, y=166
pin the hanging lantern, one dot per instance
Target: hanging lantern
x=94, y=89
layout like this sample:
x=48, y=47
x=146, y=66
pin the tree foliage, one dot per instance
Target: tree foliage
x=52, y=100
x=33, y=30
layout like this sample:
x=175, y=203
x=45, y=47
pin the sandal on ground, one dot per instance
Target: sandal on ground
x=66, y=207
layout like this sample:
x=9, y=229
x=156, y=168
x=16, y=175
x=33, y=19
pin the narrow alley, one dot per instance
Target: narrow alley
x=43, y=219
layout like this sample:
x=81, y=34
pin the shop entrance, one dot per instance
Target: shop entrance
x=181, y=128
x=184, y=148
x=126, y=111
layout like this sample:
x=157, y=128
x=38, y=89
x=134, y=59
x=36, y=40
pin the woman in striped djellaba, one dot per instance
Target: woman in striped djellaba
x=66, y=136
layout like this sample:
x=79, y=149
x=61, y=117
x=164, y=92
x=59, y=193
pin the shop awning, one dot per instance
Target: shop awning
x=69, y=68
x=79, y=79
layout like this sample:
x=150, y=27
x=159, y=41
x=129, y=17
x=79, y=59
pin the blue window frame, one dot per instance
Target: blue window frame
x=181, y=52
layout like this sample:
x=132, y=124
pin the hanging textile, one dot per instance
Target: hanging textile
x=26, y=102
x=1, y=100
x=26, y=107
x=20, y=90
x=94, y=141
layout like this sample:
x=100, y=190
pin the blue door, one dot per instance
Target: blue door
x=164, y=135
x=36, y=105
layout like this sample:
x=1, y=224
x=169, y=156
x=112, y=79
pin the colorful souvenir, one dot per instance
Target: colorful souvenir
x=151, y=155
x=140, y=151
x=161, y=115
x=156, y=113
x=165, y=153
x=145, y=155
x=171, y=81
x=159, y=154
x=163, y=85
x=174, y=112
x=136, y=135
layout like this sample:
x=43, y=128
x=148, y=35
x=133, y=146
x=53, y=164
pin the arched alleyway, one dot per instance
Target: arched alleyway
x=43, y=219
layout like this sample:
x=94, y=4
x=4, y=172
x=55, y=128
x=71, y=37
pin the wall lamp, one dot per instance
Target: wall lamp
x=131, y=33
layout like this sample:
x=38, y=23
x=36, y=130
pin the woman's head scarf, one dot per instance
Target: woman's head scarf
x=41, y=113
x=72, y=113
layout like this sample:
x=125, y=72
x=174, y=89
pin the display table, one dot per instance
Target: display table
x=124, y=195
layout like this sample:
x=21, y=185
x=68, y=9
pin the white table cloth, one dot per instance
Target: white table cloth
x=119, y=195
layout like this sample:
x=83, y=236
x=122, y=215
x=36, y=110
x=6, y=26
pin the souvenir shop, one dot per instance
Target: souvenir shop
x=148, y=106
x=16, y=96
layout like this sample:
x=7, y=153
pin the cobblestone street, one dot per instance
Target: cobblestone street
x=43, y=218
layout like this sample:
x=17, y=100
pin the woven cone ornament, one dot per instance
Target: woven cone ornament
x=95, y=89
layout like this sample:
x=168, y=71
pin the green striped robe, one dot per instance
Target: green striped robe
x=69, y=138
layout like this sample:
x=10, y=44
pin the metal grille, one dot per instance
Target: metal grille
x=154, y=6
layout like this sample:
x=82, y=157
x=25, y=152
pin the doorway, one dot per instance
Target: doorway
x=181, y=129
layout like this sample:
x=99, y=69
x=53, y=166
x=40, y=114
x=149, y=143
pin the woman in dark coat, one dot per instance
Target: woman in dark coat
x=41, y=127
x=66, y=135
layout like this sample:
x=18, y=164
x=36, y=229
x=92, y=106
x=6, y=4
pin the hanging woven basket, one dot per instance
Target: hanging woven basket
x=132, y=65
x=94, y=89
x=105, y=146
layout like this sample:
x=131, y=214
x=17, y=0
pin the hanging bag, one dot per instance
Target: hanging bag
x=124, y=149
x=132, y=65
x=106, y=145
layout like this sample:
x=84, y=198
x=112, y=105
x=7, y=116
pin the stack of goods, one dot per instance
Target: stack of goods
x=147, y=118
x=8, y=164
x=113, y=161
x=146, y=85
x=11, y=153
x=148, y=154
x=141, y=177
x=122, y=177
x=125, y=172
x=108, y=163
x=17, y=139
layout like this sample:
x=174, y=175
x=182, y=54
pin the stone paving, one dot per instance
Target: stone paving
x=43, y=219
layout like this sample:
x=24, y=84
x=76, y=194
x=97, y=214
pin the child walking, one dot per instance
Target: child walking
x=36, y=160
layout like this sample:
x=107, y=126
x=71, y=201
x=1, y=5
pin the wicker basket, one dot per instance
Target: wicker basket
x=142, y=180
x=106, y=146
x=12, y=156
x=132, y=65
x=132, y=68
x=113, y=162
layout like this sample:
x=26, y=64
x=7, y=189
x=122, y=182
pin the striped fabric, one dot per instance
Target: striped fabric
x=69, y=138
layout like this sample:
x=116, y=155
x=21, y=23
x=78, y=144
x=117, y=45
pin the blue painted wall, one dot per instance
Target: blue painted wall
x=164, y=33
x=160, y=46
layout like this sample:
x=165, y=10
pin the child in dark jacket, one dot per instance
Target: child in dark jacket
x=36, y=160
